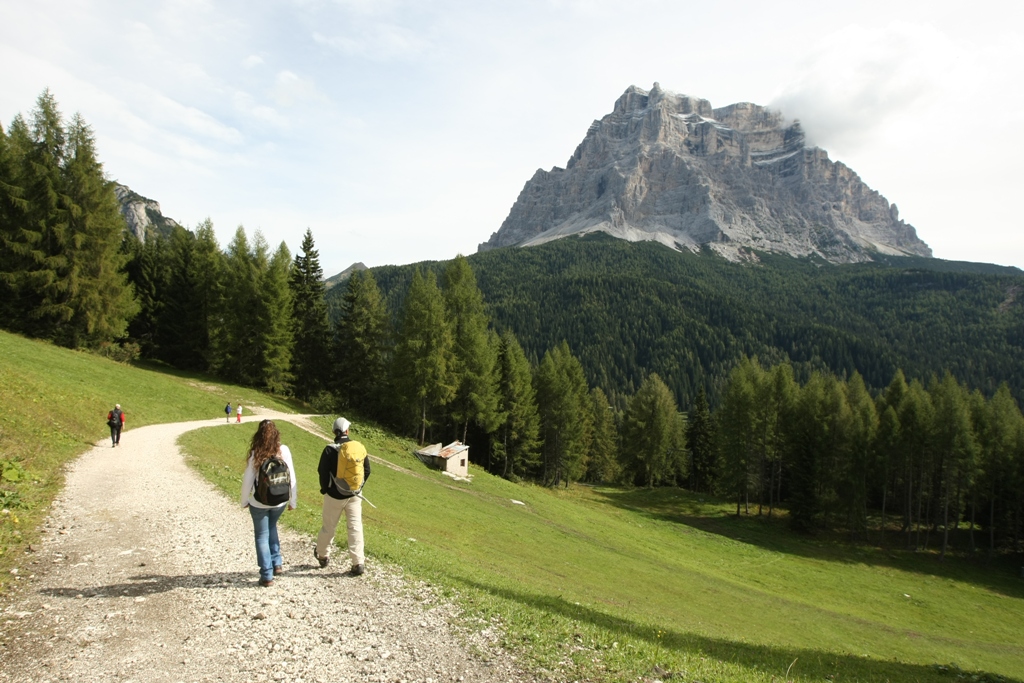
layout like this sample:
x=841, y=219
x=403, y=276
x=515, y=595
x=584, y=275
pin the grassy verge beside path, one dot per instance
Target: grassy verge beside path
x=606, y=584
x=53, y=406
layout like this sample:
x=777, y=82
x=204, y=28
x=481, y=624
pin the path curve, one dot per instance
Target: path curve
x=136, y=581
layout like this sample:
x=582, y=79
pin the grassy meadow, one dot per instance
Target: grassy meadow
x=53, y=407
x=608, y=583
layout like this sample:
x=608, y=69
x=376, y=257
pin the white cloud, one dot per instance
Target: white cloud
x=857, y=79
x=378, y=42
x=291, y=89
x=252, y=61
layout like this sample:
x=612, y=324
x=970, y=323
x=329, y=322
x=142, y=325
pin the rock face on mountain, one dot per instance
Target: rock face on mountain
x=672, y=168
x=142, y=215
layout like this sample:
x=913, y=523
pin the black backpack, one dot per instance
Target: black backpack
x=273, y=482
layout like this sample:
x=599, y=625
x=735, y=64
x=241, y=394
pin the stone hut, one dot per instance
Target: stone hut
x=452, y=459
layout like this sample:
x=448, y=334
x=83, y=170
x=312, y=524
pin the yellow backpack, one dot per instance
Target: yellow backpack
x=350, y=466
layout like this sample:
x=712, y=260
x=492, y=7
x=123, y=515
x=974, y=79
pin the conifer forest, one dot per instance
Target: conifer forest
x=879, y=400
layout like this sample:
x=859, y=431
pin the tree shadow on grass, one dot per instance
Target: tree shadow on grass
x=807, y=664
x=999, y=575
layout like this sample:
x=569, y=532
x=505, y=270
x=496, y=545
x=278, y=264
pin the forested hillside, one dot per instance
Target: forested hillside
x=627, y=310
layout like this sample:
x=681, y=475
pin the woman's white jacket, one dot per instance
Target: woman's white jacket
x=249, y=483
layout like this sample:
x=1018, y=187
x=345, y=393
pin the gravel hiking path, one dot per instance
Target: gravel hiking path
x=145, y=572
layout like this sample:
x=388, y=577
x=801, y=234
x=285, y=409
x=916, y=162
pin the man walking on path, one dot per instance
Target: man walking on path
x=344, y=469
x=115, y=419
x=239, y=412
x=227, y=412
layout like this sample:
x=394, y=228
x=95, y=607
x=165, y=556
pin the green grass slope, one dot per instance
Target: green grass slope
x=607, y=584
x=53, y=406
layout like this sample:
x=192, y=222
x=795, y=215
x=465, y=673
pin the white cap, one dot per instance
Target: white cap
x=117, y=405
x=341, y=425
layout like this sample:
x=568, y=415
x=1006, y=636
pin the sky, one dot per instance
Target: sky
x=403, y=130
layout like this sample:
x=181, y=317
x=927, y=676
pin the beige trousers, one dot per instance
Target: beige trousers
x=332, y=511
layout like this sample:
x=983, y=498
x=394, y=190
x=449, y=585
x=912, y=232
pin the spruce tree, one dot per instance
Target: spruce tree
x=182, y=330
x=98, y=293
x=310, y=326
x=1002, y=459
x=700, y=439
x=860, y=458
x=148, y=272
x=275, y=321
x=649, y=432
x=955, y=447
x=834, y=458
x=886, y=446
x=809, y=445
x=516, y=442
x=40, y=248
x=238, y=351
x=207, y=275
x=475, y=394
x=916, y=415
x=565, y=414
x=362, y=345
x=603, y=465
x=736, y=432
x=774, y=391
x=424, y=361
x=12, y=221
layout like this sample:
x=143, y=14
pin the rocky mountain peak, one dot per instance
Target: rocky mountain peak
x=672, y=168
x=141, y=214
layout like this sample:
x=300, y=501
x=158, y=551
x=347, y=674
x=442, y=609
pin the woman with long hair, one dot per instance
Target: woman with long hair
x=268, y=486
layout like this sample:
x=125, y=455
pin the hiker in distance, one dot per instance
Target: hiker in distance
x=267, y=487
x=115, y=420
x=227, y=412
x=344, y=469
x=239, y=412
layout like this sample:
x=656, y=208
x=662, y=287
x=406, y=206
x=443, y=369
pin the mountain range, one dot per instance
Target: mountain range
x=738, y=179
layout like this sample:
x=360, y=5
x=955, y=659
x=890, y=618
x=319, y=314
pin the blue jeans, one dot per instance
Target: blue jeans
x=268, y=547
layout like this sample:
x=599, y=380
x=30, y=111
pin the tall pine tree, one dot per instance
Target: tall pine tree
x=238, y=350
x=275, y=322
x=97, y=288
x=13, y=209
x=565, y=415
x=362, y=343
x=700, y=440
x=475, y=394
x=603, y=465
x=516, y=442
x=424, y=361
x=649, y=432
x=310, y=326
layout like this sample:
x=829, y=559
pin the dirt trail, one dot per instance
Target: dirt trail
x=147, y=573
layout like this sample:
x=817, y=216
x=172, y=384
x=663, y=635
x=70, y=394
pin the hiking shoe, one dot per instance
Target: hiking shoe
x=266, y=583
x=322, y=560
x=278, y=569
x=357, y=570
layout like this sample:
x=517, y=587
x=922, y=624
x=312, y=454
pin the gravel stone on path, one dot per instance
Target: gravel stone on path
x=134, y=582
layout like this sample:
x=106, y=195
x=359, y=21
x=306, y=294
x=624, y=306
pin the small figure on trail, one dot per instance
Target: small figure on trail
x=344, y=469
x=239, y=412
x=227, y=412
x=268, y=486
x=115, y=420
